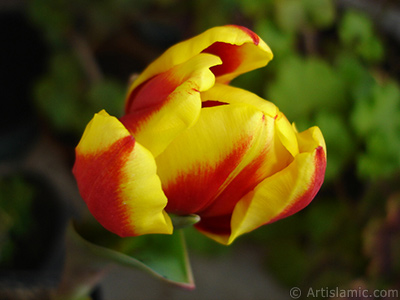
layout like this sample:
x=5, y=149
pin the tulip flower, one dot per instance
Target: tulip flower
x=189, y=143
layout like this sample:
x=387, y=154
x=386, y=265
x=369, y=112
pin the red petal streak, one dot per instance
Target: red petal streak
x=254, y=36
x=231, y=56
x=247, y=179
x=218, y=225
x=221, y=225
x=99, y=178
x=212, y=103
x=148, y=98
x=316, y=182
x=243, y=183
x=192, y=191
x=152, y=92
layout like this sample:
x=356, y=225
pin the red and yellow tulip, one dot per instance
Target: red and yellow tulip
x=189, y=143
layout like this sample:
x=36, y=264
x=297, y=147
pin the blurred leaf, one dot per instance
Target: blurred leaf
x=66, y=71
x=372, y=50
x=321, y=219
x=16, y=220
x=253, y=81
x=376, y=118
x=306, y=86
x=357, y=33
x=356, y=77
x=59, y=93
x=281, y=42
x=381, y=158
x=68, y=100
x=354, y=27
x=321, y=13
x=378, y=111
x=212, y=9
x=109, y=95
x=255, y=9
x=295, y=15
x=164, y=256
x=288, y=261
x=53, y=16
x=290, y=15
x=200, y=244
x=339, y=142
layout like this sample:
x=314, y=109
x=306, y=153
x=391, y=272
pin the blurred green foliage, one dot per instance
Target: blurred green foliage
x=16, y=221
x=68, y=101
x=330, y=69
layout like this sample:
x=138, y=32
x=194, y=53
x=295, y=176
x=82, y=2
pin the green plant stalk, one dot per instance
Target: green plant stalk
x=87, y=263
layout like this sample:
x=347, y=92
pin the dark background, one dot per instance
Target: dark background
x=336, y=65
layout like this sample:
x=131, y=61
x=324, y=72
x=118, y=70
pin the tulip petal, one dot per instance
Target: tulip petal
x=229, y=94
x=254, y=54
x=267, y=157
x=208, y=169
x=169, y=103
x=195, y=166
x=276, y=197
x=117, y=179
x=287, y=134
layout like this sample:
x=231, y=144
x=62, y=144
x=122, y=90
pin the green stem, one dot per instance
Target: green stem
x=180, y=222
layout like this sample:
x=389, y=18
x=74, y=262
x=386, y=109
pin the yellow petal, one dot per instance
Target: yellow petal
x=311, y=139
x=199, y=164
x=117, y=179
x=254, y=54
x=169, y=103
x=229, y=94
x=285, y=192
x=287, y=134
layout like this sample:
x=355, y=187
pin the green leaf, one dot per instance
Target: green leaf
x=107, y=94
x=16, y=220
x=288, y=261
x=356, y=31
x=379, y=110
x=59, y=95
x=295, y=15
x=321, y=13
x=202, y=245
x=322, y=219
x=290, y=15
x=376, y=119
x=354, y=27
x=339, y=142
x=255, y=9
x=163, y=256
x=53, y=16
x=382, y=156
x=306, y=86
x=281, y=42
x=353, y=73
